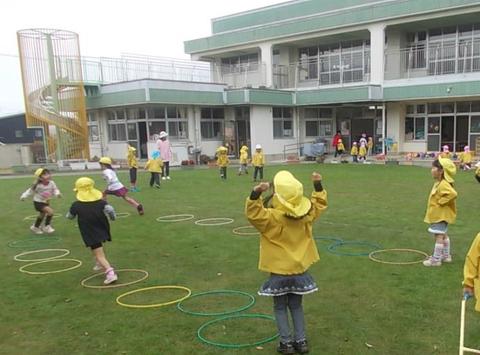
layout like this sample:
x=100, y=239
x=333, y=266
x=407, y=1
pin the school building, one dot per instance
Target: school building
x=406, y=72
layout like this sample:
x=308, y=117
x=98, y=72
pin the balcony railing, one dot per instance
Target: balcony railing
x=432, y=59
x=240, y=75
x=332, y=69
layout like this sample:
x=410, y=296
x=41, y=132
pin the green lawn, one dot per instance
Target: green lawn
x=396, y=309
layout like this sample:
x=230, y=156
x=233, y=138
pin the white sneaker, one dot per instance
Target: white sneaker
x=163, y=177
x=168, y=177
x=48, y=229
x=97, y=267
x=432, y=262
x=36, y=230
x=111, y=277
x=447, y=259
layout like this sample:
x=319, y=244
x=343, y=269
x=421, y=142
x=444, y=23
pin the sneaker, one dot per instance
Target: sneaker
x=301, y=346
x=48, y=229
x=157, y=186
x=36, y=230
x=168, y=177
x=432, y=262
x=140, y=210
x=164, y=178
x=447, y=259
x=286, y=348
x=110, y=277
x=97, y=267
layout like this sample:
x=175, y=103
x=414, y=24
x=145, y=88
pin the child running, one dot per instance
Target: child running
x=154, y=166
x=441, y=210
x=258, y=161
x=91, y=211
x=243, y=160
x=43, y=189
x=287, y=249
x=114, y=186
x=222, y=161
x=471, y=272
x=133, y=166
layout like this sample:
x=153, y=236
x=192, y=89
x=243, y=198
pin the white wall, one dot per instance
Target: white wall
x=396, y=129
x=10, y=155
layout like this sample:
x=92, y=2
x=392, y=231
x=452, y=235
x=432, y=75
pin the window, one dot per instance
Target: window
x=211, y=123
x=155, y=127
x=282, y=122
x=311, y=128
x=136, y=113
x=93, y=130
x=93, y=135
x=19, y=133
x=318, y=122
x=240, y=64
x=414, y=128
x=117, y=132
x=171, y=119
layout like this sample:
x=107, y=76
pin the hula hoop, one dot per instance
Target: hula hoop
x=238, y=231
x=123, y=214
x=371, y=256
x=235, y=346
x=84, y=281
x=13, y=243
x=333, y=248
x=17, y=257
x=189, y=292
x=238, y=310
x=34, y=216
x=172, y=218
x=330, y=239
x=22, y=269
x=205, y=221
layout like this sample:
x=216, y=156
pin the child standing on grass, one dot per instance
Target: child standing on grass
x=258, y=161
x=91, y=211
x=466, y=158
x=471, y=272
x=441, y=210
x=287, y=249
x=163, y=145
x=362, y=152
x=43, y=189
x=133, y=166
x=340, y=149
x=114, y=186
x=154, y=166
x=370, y=146
x=354, y=152
x=222, y=161
x=243, y=160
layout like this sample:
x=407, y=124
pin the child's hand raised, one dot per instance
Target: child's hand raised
x=316, y=176
x=262, y=187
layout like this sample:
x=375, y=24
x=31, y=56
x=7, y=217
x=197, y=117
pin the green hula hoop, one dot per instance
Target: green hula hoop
x=235, y=346
x=207, y=314
x=25, y=243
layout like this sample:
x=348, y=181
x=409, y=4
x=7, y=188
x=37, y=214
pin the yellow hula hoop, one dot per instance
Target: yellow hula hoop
x=238, y=231
x=34, y=216
x=189, y=292
x=115, y=285
x=22, y=269
x=371, y=256
x=17, y=257
x=123, y=214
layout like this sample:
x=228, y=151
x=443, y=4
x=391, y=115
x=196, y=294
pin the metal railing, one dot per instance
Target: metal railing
x=240, y=75
x=432, y=59
x=331, y=69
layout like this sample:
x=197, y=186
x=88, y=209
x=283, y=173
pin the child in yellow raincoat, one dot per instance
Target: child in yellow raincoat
x=222, y=161
x=471, y=272
x=354, y=152
x=154, y=166
x=133, y=166
x=466, y=158
x=258, y=161
x=362, y=152
x=441, y=210
x=477, y=171
x=287, y=250
x=243, y=160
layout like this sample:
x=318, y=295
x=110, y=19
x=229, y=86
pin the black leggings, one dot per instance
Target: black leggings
x=154, y=178
x=258, y=171
x=166, y=169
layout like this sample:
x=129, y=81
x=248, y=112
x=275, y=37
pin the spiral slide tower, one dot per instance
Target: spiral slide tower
x=54, y=92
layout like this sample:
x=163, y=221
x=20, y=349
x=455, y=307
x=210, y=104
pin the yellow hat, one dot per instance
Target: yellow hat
x=38, y=172
x=105, y=160
x=244, y=148
x=449, y=169
x=84, y=187
x=222, y=149
x=131, y=149
x=289, y=195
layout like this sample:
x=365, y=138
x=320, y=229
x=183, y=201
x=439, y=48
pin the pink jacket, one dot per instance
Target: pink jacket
x=165, y=150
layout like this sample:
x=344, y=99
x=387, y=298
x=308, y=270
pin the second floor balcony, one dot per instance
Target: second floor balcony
x=432, y=59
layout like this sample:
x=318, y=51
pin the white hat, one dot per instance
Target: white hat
x=258, y=146
x=163, y=134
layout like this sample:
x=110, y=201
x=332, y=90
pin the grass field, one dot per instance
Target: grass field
x=396, y=309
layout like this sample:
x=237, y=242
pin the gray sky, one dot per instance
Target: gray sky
x=109, y=28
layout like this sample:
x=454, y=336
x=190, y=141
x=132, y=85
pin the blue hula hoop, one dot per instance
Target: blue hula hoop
x=333, y=248
x=328, y=239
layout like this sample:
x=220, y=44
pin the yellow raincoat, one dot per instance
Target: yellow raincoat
x=471, y=269
x=441, y=203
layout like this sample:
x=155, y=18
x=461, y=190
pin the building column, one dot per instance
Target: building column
x=377, y=53
x=266, y=58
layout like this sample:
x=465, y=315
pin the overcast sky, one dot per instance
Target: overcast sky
x=109, y=28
